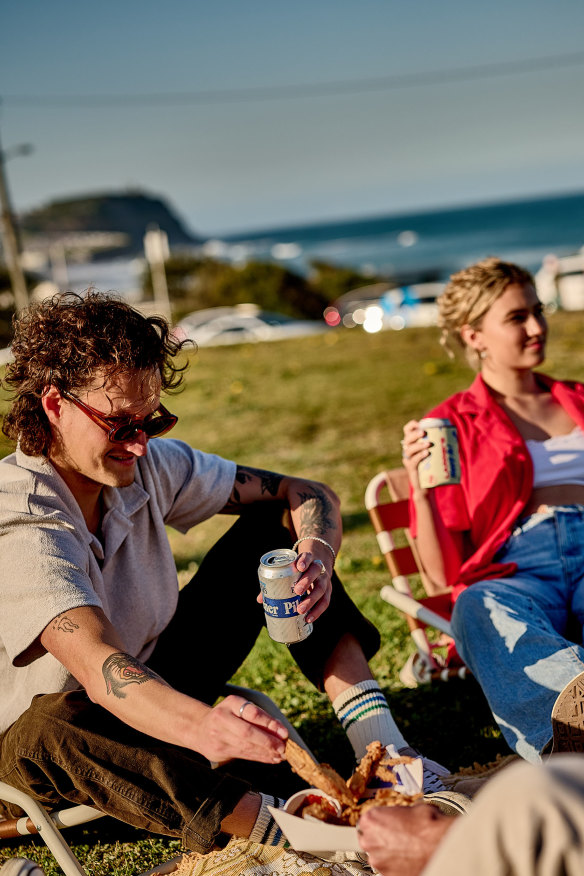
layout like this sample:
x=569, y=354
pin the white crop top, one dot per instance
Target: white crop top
x=558, y=460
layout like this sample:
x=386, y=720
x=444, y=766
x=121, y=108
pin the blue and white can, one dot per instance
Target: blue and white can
x=278, y=576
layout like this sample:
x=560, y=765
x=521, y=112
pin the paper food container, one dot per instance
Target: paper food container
x=310, y=835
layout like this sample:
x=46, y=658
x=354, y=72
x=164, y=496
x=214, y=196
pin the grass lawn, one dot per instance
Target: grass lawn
x=329, y=407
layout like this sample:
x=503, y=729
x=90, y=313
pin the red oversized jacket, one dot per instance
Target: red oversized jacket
x=496, y=482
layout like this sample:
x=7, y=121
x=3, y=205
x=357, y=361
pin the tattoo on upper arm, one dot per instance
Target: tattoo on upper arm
x=315, y=513
x=64, y=624
x=120, y=670
x=269, y=482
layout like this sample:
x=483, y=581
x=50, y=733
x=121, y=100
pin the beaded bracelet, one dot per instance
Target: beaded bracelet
x=315, y=538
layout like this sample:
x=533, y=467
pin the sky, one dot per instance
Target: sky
x=254, y=114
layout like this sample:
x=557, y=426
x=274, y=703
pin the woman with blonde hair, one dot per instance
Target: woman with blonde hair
x=509, y=539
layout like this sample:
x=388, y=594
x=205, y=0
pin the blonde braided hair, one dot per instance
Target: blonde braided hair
x=468, y=296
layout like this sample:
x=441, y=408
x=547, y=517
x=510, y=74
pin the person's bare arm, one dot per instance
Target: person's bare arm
x=315, y=513
x=87, y=644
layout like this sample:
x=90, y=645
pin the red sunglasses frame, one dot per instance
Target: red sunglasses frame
x=113, y=424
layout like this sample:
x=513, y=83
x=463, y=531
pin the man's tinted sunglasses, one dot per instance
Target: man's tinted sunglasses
x=121, y=429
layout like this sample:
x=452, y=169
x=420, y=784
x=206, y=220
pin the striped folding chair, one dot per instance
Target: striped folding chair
x=387, y=501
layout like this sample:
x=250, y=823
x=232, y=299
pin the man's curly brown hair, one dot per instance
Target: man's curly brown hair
x=65, y=341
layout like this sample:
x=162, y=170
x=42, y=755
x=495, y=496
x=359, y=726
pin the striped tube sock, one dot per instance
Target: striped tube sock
x=265, y=829
x=365, y=716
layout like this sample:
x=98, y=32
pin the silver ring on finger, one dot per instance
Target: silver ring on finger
x=322, y=567
x=242, y=707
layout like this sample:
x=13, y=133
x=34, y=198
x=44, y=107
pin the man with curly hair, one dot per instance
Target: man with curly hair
x=109, y=677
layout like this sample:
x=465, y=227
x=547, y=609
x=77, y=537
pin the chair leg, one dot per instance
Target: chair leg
x=46, y=828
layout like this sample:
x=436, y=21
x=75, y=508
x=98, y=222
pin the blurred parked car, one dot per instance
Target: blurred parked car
x=381, y=306
x=242, y=324
x=560, y=282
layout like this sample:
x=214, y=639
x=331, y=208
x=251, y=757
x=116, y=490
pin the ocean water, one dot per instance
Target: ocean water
x=423, y=246
x=407, y=248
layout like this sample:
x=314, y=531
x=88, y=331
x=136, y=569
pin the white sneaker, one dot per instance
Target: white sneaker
x=433, y=771
x=435, y=791
x=449, y=802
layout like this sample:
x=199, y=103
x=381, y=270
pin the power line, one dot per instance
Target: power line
x=292, y=92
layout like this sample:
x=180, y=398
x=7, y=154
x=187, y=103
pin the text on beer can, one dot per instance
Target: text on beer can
x=277, y=577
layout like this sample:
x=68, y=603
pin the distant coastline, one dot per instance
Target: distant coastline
x=432, y=242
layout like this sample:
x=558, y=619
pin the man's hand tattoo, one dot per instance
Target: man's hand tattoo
x=64, y=624
x=120, y=670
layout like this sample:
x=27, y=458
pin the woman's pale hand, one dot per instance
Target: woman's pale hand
x=415, y=448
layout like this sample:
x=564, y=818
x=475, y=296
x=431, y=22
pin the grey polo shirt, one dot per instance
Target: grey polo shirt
x=51, y=563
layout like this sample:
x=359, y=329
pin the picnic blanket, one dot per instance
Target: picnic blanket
x=244, y=858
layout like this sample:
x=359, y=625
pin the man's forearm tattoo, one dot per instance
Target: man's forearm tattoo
x=64, y=624
x=120, y=670
x=269, y=482
x=315, y=513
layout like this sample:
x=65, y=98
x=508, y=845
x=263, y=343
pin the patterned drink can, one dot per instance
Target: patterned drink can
x=277, y=578
x=442, y=466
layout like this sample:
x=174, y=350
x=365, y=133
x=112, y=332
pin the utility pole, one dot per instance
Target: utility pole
x=157, y=251
x=9, y=239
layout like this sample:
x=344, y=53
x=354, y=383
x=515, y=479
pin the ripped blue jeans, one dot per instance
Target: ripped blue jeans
x=515, y=634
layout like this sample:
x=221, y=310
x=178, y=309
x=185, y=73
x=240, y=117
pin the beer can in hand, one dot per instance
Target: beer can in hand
x=442, y=466
x=277, y=579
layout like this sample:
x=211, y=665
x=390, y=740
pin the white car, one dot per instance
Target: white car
x=560, y=282
x=242, y=324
